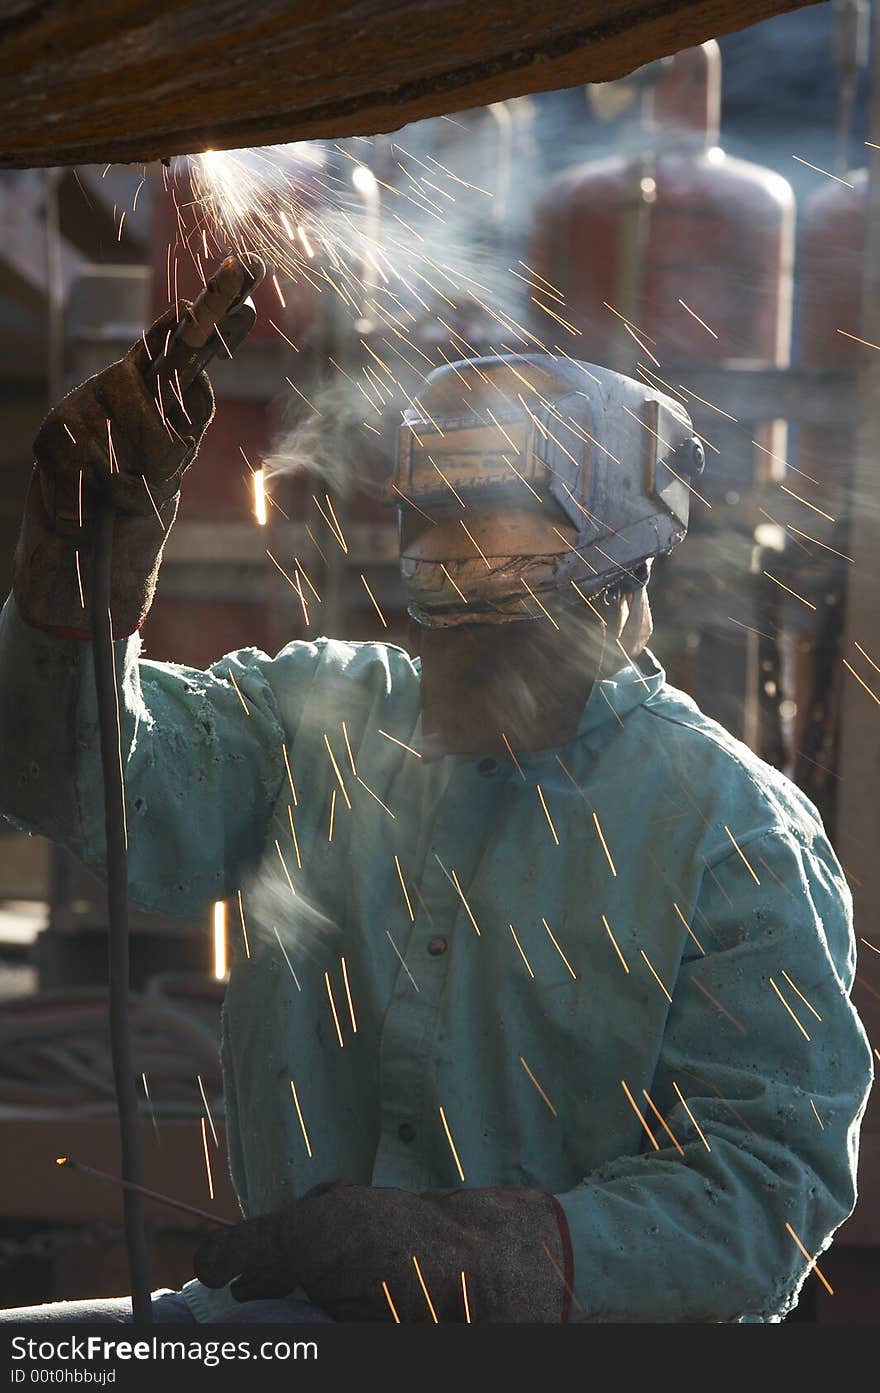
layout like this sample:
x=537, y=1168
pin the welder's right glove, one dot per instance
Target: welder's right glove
x=113, y=439
x=352, y=1247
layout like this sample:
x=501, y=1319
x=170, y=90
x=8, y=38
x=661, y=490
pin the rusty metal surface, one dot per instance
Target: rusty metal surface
x=88, y=81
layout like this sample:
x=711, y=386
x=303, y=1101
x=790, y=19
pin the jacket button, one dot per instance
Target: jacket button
x=406, y=1131
x=437, y=945
x=487, y=767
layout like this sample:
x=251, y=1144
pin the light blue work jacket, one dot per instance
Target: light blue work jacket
x=617, y=970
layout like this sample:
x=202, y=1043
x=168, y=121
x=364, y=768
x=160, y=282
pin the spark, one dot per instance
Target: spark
x=532, y=272
x=152, y=1111
x=284, y=866
x=538, y=1086
x=689, y=929
x=464, y=1294
x=861, y=681
x=872, y=946
x=512, y=755
x=354, y=1028
x=332, y=815
x=238, y=692
x=817, y=169
x=153, y=502
x=604, y=843
x=639, y=1114
x=401, y=743
x=522, y=478
x=547, y=813
x=308, y=403
x=788, y=588
x=589, y=603
x=392, y=1307
x=538, y=603
x=788, y=1009
x=425, y=1289
x=698, y=319
x=801, y=995
x=82, y=598
x=445, y=480
x=301, y=1119
x=559, y=950
x=409, y=907
x=218, y=916
x=464, y=902
x=789, y=527
x=691, y=1116
x=558, y=317
x=661, y=1119
x=286, y=958
x=452, y=583
x=374, y=795
x=338, y=535
x=655, y=976
x=710, y=404
x=274, y=326
x=673, y=391
x=806, y=504
x=452, y=1147
x=244, y=934
x=784, y=462
x=865, y=655
x=333, y=1009
x=476, y=544
x=642, y=346
x=614, y=941
x=402, y=963
x=555, y=295
x=294, y=584
x=521, y=953
x=717, y=1004
x=259, y=482
x=207, y=1158
x=433, y=521
x=337, y=772
x=742, y=855
x=348, y=749
x=281, y=298
x=289, y=775
x=207, y=1110
x=812, y=1261
x=375, y=602
x=818, y=1118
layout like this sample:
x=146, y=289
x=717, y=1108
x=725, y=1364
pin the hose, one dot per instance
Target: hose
x=197, y=338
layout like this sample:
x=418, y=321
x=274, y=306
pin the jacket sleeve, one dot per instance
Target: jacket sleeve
x=203, y=757
x=765, y=1110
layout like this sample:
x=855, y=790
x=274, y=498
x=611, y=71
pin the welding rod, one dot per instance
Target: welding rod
x=70, y=1164
x=191, y=346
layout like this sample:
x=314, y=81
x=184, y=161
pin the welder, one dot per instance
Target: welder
x=540, y=1007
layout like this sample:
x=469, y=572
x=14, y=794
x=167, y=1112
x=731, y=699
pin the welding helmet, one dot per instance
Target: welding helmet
x=520, y=480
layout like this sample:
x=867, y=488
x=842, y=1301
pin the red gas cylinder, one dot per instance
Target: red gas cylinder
x=694, y=249
x=832, y=240
x=677, y=220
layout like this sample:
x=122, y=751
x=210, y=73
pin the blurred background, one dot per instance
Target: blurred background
x=706, y=224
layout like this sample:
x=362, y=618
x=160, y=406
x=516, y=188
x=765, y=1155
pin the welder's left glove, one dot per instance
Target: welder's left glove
x=340, y=1242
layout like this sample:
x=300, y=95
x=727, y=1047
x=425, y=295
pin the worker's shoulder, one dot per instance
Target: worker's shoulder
x=368, y=663
x=722, y=770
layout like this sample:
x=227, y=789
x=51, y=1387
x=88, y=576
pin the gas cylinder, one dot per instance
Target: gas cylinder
x=832, y=240
x=672, y=256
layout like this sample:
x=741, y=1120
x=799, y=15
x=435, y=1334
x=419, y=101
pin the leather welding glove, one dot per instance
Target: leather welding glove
x=113, y=439
x=340, y=1242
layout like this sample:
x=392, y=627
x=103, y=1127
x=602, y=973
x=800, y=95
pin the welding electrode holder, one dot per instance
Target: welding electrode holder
x=217, y=321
